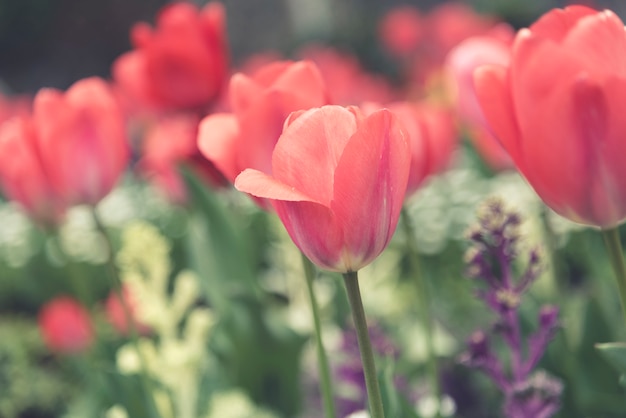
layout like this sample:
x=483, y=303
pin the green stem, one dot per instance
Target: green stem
x=351, y=280
x=324, y=369
x=614, y=248
x=116, y=284
x=424, y=297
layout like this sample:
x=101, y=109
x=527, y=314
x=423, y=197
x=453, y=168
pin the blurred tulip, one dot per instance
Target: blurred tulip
x=338, y=182
x=71, y=151
x=22, y=177
x=401, y=30
x=168, y=142
x=557, y=109
x=180, y=64
x=346, y=80
x=65, y=326
x=81, y=140
x=261, y=103
x=460, y=65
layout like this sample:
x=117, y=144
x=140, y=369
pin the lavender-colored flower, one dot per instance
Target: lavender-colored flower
x=489, y=259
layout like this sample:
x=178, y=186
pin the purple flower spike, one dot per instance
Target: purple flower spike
x=489, y=259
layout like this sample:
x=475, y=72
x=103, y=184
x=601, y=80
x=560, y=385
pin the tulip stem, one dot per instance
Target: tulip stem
x=425, y=310
x=614, y=248
x=322, y=359
x=351, y=280
x=116, y=284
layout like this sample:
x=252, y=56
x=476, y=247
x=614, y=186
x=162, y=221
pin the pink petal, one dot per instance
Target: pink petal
x=262, y=185
x=369, y=186
x=309, y=149
x=600, y=41
x=217, y=140
x=494, y=96
x=558, y=22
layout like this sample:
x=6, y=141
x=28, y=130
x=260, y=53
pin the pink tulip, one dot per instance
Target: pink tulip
x=65, y=326
x=22, y=176
x=460, y=65
x=180, y=64
x=72, y=150
x=338, y=182
x=557, y=109
x=246, y=138
x=401, y=30
x=81, y=140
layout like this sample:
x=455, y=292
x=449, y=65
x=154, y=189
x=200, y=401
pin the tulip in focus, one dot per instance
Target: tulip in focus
x=338, y=182
x=65, y=326
x=460, y=65
x=557, y=109
x=246, y=138
x=182, y=63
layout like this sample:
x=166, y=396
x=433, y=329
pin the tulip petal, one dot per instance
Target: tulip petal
x=315, y=231
x=309, y=149
x=599, y=41
x=557, y=23
x=217, y=139
x=369, y=186
x=262, y=185
x=304, y=83
x=494, y=96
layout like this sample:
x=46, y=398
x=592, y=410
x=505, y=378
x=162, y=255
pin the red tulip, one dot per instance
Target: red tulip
x=22, y=176
x=180, y=64
x=246, y=138
x=81, y=140
x=401, y=30
x=65, y=326
x=338, y=182
x=558, y=107
x=460, y=65
x=170, y=141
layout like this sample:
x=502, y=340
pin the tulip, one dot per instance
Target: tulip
x=461, y=63
x=338, y=182
x=22, y=176
x=168, y=142
x=65, y=326
x=180, y=64
x=401, y=30
x=81, y=140
x=348, y=83
x=246, y=138
x=557, y=110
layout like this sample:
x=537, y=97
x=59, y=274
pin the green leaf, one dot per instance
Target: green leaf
x=218, y=246
x=615, y=353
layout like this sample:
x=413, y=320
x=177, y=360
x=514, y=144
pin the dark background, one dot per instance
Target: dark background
x=56, y=42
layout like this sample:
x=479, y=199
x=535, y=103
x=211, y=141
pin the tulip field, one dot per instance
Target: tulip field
x=301, y=234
